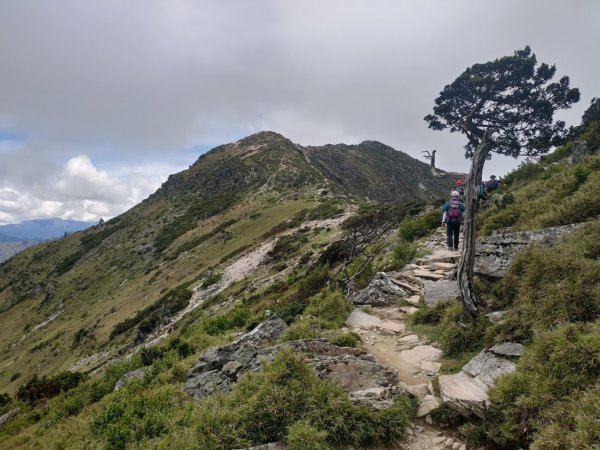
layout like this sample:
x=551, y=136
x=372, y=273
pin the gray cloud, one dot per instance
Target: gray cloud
x=124, y=80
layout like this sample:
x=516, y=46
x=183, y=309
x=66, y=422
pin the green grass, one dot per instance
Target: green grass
x=413, y=228
x=263, y=407
x=536, y=404
x=113, y=282
x=550, y=193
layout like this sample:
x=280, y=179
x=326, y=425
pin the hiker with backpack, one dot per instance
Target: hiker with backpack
x=460, y=188
x=453, y=213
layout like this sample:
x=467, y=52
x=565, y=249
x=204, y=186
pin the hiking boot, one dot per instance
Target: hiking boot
x=455, y=249
x=450, y=247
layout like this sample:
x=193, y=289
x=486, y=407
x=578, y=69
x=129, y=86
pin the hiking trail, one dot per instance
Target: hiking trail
x=385, y=335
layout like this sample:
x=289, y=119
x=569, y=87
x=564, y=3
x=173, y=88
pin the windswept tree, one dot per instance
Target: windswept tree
x=505, y=106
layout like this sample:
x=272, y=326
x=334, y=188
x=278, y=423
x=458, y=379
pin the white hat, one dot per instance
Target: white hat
x=455, y=194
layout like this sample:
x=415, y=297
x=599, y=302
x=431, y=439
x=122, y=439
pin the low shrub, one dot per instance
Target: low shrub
x=343, y=338
x=5, y=399
x=572, y=424
x=555, y=377
x=523, y=174
x=405, y=253
x=303, y=436
x=238, y=317
x=314, y=280
x=458, y=334
x=306, y=329
x=289, y=312
x=211, y=279
x=430, y=315
x=286, y=246
x=202, y=209
x=132, y=415
x=412, y=228
x=263, y=407
x=150, y=317
x=546, y=287
x=324, y=210
x=361, y=272
x=330, y=306
x=48, y=387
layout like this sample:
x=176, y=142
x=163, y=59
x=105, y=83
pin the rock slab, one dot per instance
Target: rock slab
x=440, y=290
x=136, y=374
x=494, y=254
x=466, y=391
x=382, y=290
x=353, y=369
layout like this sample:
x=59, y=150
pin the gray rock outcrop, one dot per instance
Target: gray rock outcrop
x=353, y=369
x=268, y=330
x=380, y=291
x=221, y=367
x=6, y=417
x=494, y=254
x=508, y=349
x=580, y=149
x=466, y=391
x=136, y=374
x=439, y=290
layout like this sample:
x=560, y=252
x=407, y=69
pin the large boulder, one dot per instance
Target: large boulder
x=466, y=391
x=382, y=290
x=435, y=291
x=221, y=367
x=269, y=330
x=494, y=254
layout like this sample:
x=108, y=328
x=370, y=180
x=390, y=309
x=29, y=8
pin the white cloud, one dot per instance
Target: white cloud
x=80, y=180
x=80, y=191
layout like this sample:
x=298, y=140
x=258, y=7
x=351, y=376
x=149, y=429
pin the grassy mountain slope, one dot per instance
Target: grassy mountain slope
x=61, y=301
x=378, y=172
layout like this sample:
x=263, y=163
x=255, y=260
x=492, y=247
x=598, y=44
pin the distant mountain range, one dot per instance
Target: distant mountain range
x=40, y=229
x=15, y=238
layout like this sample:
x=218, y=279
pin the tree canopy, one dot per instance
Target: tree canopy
x=505, y=106
x=511, y=99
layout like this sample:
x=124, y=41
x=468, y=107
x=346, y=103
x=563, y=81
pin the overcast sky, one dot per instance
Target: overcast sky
x=101, y=101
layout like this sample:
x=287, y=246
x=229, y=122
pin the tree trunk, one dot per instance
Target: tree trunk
x=467, y=260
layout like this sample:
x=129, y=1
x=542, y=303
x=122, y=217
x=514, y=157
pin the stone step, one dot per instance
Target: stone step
x=408, y=309
x=443, y=266
x=360, y=319
x=427, y=275
x=414, y=300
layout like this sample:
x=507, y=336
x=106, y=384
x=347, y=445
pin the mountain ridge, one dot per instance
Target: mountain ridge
x=233, y=199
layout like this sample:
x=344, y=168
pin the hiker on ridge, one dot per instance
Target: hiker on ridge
x=492, y=184
x=454, y=211
x=460, y=188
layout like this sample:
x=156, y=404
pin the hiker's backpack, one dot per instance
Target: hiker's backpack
x=454, y=213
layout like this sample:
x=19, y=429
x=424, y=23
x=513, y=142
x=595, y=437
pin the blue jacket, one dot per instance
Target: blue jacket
x=446, y=209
